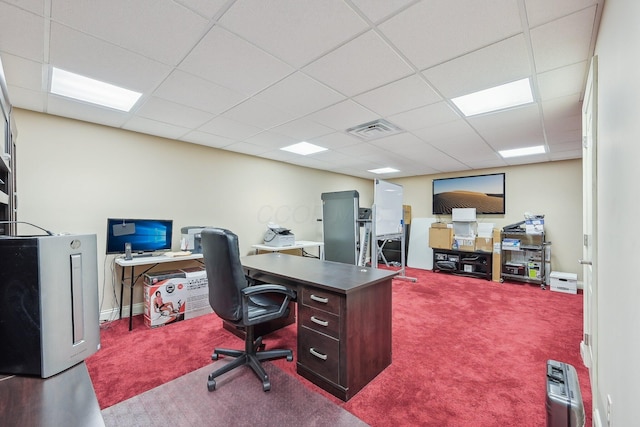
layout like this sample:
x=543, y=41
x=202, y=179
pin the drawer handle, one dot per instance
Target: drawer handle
x=319, y=299
x=320, y=322
x=317, y=354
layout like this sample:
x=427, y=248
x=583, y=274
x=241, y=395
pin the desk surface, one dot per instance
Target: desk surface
x=334, y=276
x=158, y=259
x=65, y=399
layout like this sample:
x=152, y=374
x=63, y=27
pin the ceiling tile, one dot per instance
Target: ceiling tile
x=229, y=61
x=192, y=91
x=246, y=148
x=302, y=129
x=360, y=65
x=286, y=94
x=259, y=113
x=399, y=96
x=153, y=127
x=228, y=128
x=427, y=116
x=206, y=8
x=289, y=30
x=429, y=33
x=86, y=112
x=515, y=128
x=562, y=81
x=543, y=11
x=21, y=72
x=159, y=29
x=343, y=115
x=165, y=111
x=79, y=53
x=575, y=31
x=378, y=10
x=21, y=33
x=27, y=99
x=271, y=140
x=499, y=63
x=336, y=140
x=204, y=138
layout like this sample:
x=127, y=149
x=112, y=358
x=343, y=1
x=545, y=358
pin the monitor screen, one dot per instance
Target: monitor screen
x=144, y=235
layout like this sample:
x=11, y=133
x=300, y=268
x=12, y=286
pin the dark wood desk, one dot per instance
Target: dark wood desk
x=65, y=399
x=344, y=318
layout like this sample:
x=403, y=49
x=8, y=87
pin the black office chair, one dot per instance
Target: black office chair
x=234, y=300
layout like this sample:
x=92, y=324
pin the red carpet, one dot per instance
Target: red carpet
x=465, y=352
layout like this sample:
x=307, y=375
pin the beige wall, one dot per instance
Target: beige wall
x=553, y=189
x=73, y=175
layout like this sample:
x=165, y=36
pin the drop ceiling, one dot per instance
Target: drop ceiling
x=252, y=76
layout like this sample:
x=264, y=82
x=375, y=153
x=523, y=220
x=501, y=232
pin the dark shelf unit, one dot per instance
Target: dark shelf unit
x=472, y=264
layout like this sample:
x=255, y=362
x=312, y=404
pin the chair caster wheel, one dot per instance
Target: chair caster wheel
x=214, y=356
x=266, y=385
x=211, y=385
x=290, y=358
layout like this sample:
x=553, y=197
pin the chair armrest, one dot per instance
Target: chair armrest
x=268, y=288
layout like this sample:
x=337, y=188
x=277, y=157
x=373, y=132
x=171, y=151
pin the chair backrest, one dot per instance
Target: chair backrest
x=224, y=272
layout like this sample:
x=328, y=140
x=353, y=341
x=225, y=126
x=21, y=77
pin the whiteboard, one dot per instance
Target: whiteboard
x=420, y=255
x=388, y=215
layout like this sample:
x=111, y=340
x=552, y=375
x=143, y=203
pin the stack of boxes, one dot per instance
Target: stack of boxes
x=184, y=293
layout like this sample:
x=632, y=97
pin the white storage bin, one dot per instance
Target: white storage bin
x=564, y=282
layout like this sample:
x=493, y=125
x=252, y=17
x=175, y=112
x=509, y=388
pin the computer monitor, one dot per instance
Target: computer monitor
x=144, y=235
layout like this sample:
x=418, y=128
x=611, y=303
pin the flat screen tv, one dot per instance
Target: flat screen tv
x=144, y=235
x=483, y=192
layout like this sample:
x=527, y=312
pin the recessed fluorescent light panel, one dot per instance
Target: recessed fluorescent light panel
x=85, y=89
x=495, y=98
x=383, y=170
x=304, y=148
x=527, y=151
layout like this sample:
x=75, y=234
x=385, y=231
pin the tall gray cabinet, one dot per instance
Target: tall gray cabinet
x=340, y=226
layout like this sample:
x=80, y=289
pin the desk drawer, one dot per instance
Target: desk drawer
x=320, y=321
x=322, y=300
x=319, y=353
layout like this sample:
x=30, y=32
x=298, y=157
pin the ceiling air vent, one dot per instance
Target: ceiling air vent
x=374, y=130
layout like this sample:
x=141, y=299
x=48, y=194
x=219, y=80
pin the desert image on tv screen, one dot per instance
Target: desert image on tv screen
x=483, y=192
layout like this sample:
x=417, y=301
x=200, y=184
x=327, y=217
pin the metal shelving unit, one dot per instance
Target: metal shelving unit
x=523, y=257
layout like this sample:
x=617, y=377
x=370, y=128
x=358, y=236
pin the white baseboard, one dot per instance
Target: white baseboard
x=112, y=314
x=596, y=419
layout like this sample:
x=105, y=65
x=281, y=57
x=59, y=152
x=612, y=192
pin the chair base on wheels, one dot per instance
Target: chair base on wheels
x=251, y=357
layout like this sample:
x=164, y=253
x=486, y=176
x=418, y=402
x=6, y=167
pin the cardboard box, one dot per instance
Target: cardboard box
x=484, y=244
x=564, y=282
x=164, y=298
x=466, y=244
x=440, y=238
x=439, y=225
x=496, y=274
x=406, y=213
x=184, y=293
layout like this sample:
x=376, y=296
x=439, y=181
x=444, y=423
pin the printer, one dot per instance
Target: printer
x=191, y=239
x=279, y=237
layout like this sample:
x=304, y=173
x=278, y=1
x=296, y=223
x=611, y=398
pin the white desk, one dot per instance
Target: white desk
x=299, y=244
x=149, y=262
